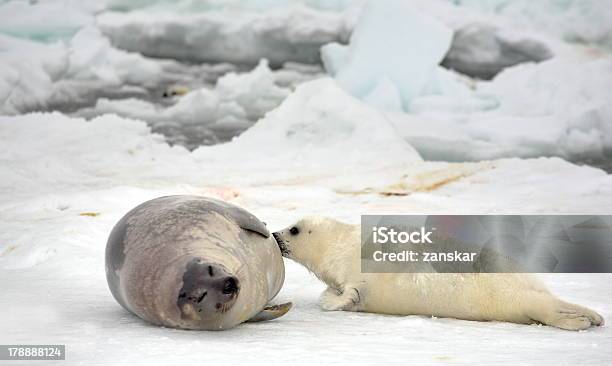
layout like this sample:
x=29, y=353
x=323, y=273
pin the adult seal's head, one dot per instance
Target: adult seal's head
x=194, y=263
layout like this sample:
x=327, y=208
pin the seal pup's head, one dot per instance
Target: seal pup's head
x=311, y=241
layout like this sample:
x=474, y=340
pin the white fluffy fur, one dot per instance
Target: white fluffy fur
x=331, y=250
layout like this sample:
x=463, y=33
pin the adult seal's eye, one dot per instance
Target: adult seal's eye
x=294, y=231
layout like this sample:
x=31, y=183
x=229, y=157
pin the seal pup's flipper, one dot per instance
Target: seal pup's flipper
x=271, y=312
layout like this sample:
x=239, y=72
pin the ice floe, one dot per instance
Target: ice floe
x=558, y=107
x=483, y=50
x=47, y=21
x=35, y=75
x=388, y=45
x=318, y=129
x=209, y=115
x=450, y=117
x=555, y=108
x=581, y=21
x=292, y=32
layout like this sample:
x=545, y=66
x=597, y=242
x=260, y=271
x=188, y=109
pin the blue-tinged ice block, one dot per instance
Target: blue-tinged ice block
x=392, y=42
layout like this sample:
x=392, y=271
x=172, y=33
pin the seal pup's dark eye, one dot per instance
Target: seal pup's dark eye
x=294, y=230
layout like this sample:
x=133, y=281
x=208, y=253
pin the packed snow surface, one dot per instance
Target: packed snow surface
x=319, y=147
x=66, y=182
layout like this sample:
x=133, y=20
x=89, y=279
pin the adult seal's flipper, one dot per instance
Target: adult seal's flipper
x=241, y=217
x=271, y=312
x=247, y=221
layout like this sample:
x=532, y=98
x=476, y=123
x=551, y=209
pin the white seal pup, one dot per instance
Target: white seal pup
x=194, y=263
x=331, y=250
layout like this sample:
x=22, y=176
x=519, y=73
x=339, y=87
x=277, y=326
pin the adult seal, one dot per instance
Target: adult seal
x=194, y=263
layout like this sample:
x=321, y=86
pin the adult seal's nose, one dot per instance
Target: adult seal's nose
x=207, y=289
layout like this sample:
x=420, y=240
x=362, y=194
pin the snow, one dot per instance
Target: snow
x=299, y=28
x=562, y=109
x=310, y=148
x=307, y=132
x=34, y=75
x=26, y=73
x=235, y=102
x=59, y=168
x=48, y=20
x=292, y=32
x=581, y=21
x=182, y=6
x=483, y=50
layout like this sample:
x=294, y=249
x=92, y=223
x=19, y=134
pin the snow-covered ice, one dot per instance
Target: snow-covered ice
x=306, y=132
x=82, y=73
x=554, y=108
x=34, y=75
x=47, y=21
x=196, y=32
x=581, y=21
x=67, y=181
x=562, y=109
x=483, y=50
x=310, y=148
x=209, y=115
